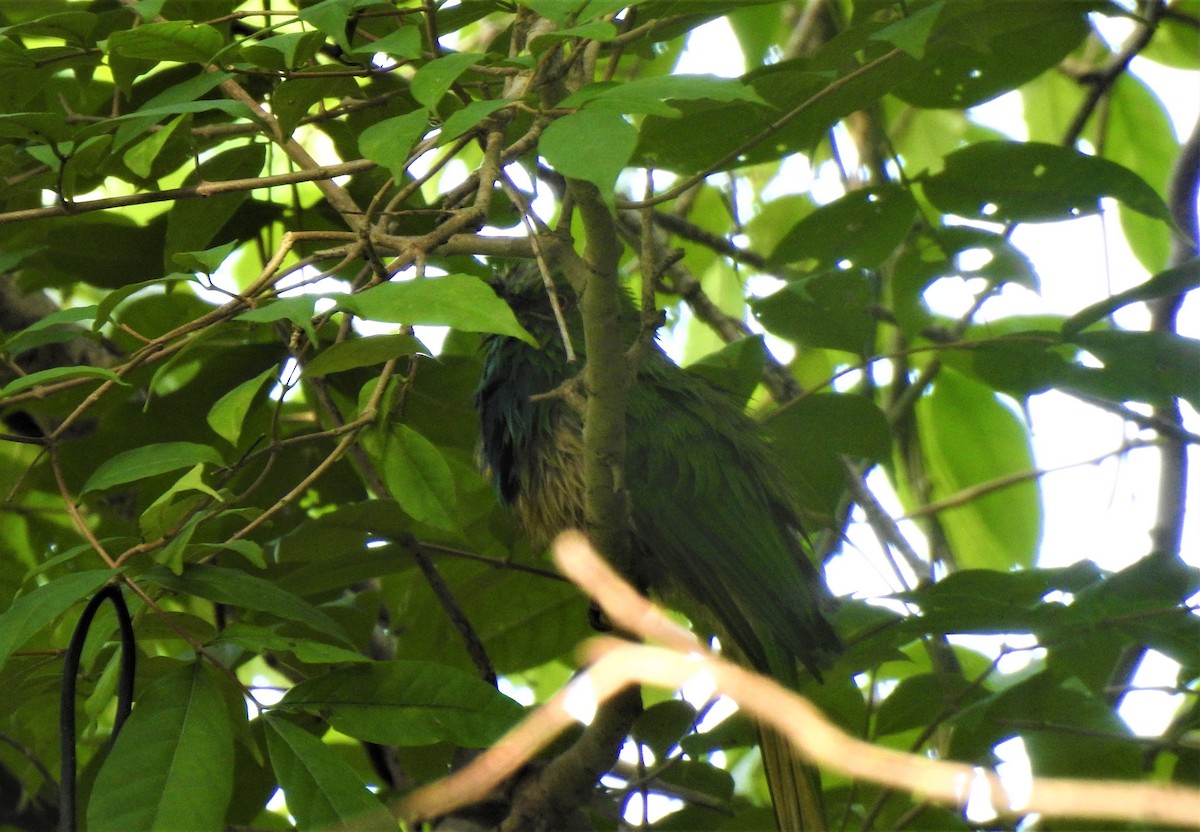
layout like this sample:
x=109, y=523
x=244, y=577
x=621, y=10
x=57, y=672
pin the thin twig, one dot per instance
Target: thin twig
x=616, y=665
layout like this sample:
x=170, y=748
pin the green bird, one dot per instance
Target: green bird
x=713, y=522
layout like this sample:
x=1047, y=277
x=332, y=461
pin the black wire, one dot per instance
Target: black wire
x=66, y=718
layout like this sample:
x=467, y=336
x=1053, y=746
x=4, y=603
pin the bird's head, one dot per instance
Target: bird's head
x=522, y=286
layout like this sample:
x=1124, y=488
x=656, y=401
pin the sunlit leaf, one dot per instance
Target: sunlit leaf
x=390, y=141
x=456, y=300
x=172, y=764
x=35, y=609
x=593, y=145
x=435, y=78
x=149, y=461
x=971, y=439
x=170, y=40
x=228, y=413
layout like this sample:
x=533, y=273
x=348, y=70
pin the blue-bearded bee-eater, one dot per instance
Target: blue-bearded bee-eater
x=713, y=525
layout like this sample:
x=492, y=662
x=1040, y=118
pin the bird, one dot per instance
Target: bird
x=712, y=520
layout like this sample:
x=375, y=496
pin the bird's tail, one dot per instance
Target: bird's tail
x=795, y=789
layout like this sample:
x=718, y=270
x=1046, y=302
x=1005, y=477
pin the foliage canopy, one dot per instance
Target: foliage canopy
x=222, y=219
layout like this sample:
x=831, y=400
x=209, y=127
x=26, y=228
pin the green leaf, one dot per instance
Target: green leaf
x=207, y=261
x=1176, y=281
x=53, y=328
x=459, y=301
x=293, y=98
x=73, y=26
x=1007, y=263
x=969, y=438
x=109, y=303
x=43, y=605
x=404, y=42
x=192, y=224
x=332, y=17
x=1139, y=135
x=911, y=33
x=142, y=156
x=321, y=788
x=597, y=30
x=418, y=477
x=240, y=589
x=389, y=142
x=148, y=9
x=647, y=95
x=841, y=423
x=228, y=415
x=714, y=134
x=919, y=699
x=1043, y=711
x=46, y=128
x=281, y=53
x=662, y=725
x=165, y=511
x=549, y=623
x=149, y=461
x=811, y=434
x=119, y=251
x=172, y=764
x=736, y=368
x=1034, y=182
x=1176, y=43
x=262, y=640
x=407, y=703
x=362, y=352
x=172, y=40
x=831, y=309
x=1128, y=355
x=862, y=228
x=593, y=145
x=248, y=549
x=58, y=374
x=460, y=121
x=698, y=777
x=298, y=310
x=1021, y=364
x=176, y=100
x=432, y=81
x=987, y=601
x=978, y=50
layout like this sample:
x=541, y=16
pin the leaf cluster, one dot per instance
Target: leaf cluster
x=267, y=230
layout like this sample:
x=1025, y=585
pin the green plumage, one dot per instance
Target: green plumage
x=711, y=512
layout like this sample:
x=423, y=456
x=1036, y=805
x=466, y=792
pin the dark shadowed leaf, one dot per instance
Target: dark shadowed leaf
x=1033, y=182
x=362, y=352
x=242, y=589
x=321, y=788
x=192, y=224
x=830, y=309
x=407, y=703
x=860, y=229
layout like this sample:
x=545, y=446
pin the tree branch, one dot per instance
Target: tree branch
x=615, y=665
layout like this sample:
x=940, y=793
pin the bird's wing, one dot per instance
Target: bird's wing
x=706, y=512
